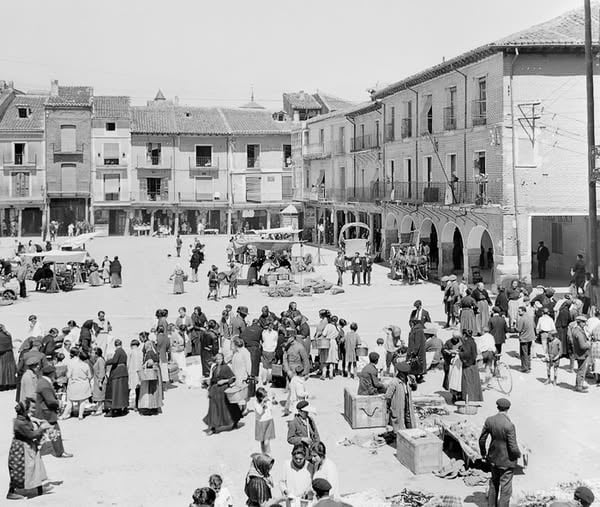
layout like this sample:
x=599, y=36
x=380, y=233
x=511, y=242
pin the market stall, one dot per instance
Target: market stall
x=67, y=265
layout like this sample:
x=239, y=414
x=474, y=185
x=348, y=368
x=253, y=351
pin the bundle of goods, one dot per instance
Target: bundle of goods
x=337, y=290
x=368, y=497
x=561, y=492
x=467, y=436
x=317, y=285
x=408, y=498
x=282, y=290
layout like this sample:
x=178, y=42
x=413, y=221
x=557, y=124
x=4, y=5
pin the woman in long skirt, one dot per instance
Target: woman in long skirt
x=8, y=367
x=117, y=386
x=99, y=380
x=25, y=465
x=177, y=278
x=221, y=412
x=471, y=383
x=151, y=392
x=467, y=313
x=483, y=302
x=115, y=273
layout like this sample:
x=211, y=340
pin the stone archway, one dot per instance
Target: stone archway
x=480, y=252
x=452, y=250
x=428, y=235
x=391, y=233
x=407, y=224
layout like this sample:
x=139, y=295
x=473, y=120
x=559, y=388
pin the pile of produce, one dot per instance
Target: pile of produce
x=408, y=498
x=561, y=492
x=282, y=290
x=316, y=285
x=468, y=436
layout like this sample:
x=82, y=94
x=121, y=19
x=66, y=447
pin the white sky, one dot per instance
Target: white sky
x=212, y=52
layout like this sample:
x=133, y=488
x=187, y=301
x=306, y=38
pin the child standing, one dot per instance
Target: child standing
x=223, y=496
x=554, y=355
x=297, y=389
x=264, y=429
x=233, y=280
x=380, y=349
x=351, y=341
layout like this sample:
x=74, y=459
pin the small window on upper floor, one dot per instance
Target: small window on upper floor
x=23, y=112
x=111, y=126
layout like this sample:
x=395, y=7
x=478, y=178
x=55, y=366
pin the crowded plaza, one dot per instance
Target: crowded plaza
x=203, y=395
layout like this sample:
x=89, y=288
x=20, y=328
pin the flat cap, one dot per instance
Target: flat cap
x=503, y=403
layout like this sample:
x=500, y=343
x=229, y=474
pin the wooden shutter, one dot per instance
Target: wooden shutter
x=143, y=188
x=164, y=189
x=111, y=153
x=204, y=188
x=20, y=184
x=253, y=188
x=286, y=188
x=68, y=178
x=68, y=138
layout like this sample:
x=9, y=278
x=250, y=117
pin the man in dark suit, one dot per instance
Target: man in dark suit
x=498, y=328
x=302, y=428
x=542, y=255
x=419, y=315
x=502, y=454
x=47, y=408
x=49, y=343
x=368, y=378
x=252, y=336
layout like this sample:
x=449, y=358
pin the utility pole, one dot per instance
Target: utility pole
x=592, y=150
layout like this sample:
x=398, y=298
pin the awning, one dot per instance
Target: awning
x=59, y=256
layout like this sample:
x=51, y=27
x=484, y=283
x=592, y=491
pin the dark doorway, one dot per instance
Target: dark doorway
x=457, y=250
x=67, y=211
x=116, y=222
x=32, y=222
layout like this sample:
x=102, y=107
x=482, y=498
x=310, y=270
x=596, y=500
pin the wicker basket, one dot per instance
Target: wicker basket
x=147, y=374
x=236, y=394
x=362, y=351
x=323, y=343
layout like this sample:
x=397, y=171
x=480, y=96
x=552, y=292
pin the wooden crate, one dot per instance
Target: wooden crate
x=419, y=451
x=365, y=411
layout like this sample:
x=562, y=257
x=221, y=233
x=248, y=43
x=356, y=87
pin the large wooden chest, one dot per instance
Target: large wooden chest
x=365, y=411
x=418, y=450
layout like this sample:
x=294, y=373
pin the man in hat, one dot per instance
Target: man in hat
x=238, y=321
x=356, y=264
x=415, y=355
x=49, y=343
x=47, y=407
x=368, y=379
x=322, y=488
x=502, y=454
x=581, y=353
x=29, y=380
x=542, y=255
x=21, y=277
x=419, y=315
x=498, y=328
x=398, y=396
x=526, y=330
x=302, y=428
x=252, y=337
x=295, y=356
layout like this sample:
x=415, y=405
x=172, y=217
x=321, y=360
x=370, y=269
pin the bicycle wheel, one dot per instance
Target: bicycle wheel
x=504, y=377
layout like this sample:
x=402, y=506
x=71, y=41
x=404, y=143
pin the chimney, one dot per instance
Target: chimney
x=54, y=88
x=176, y=100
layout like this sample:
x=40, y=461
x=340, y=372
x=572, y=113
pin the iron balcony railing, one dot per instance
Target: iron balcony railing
x=253, y=162
x=317, y=150
x=20, y=159
x=406, y=129
x=202, y=161
x=59, y=149
x=479, y=112
x=366, y=142
x=153, y=162
x=150, y=196
x=450, y=118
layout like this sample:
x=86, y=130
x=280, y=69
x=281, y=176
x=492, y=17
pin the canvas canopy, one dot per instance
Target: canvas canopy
x=59, y=256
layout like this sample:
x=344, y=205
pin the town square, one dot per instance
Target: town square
x=242, y=289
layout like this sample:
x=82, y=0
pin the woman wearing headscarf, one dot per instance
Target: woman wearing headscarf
x=467, y=313
x=115, y=273
x=79, y=389
x=88, y=331
x=117, y=387
x=259, y=484
x=8, y=367
x=324, y=468
x=98, y=380
x=399, y=399
x=483, y=302
x=94, y=278
x=449, y=351
x=177, y=278
x=151, y=392
x=221, y=412
x=25, y=465
x=471, y=383
x=502, y=301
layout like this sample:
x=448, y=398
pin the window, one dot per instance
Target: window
x=203, y=156
x=452, y=166
x=407, y=121
x=23, y=112
x=287, y=155
x=204, y=187
x=307, y=178
x=20, y=184
x=19, y=153
x=479, y=163
x=111, y=126
x=408, y=175
x=112, y=187
x=68, y=138
x=68, y=178
x=557, y=238
x=253, y=155
x=392, y=170
x=377, y=133
x=342, y=139
x=321, y=137
x=428, y=170
x=479, y=111
x=305, y=138
x=153, y=153
x=391, y=126
x=111, y=153
x=450, y=110
x=428, y=114
x=154, y=186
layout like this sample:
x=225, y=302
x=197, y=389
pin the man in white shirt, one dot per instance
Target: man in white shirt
x=486, y=347
x=592, y=323
x=269, y=344
x=545, y=326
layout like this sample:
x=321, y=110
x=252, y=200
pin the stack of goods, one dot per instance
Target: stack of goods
x=429, y=408
x=285, y=289
x=316, y=285
x=467, y=437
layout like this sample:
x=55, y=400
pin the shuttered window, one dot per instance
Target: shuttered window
x=253, y=188
x=111, y=153
x=20, y=184
x=287, y=192
x=204, y=187
x=68, y=138
x=68, y=178
x=112, y=187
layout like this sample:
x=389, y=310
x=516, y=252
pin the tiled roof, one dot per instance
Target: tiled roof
x=34, y=122
x=75, y=96
x=153, y=120
x=254, y=121
x=252, y=105
x=111, y=107
x=200, y=120
x=564, y=31
x=301, y=100
x=333, y=103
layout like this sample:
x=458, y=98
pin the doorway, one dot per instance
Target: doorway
x=116, y=222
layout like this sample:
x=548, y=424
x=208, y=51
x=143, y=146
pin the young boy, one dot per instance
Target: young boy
x=297, y=390
x=233, y=280
x=554, y=354
x=223, y=496
x=380, y=349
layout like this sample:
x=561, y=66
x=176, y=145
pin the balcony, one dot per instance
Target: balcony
x=203, y=161
x=390, y=132
x=150, y=196
x=58, y=149
x=339, y=146
x=20, y=161
x=317, y=150
x=479, y=112
x=450, y=118
x=153, y=162
x=366, y=142
x=201, y=195
x=406, y=128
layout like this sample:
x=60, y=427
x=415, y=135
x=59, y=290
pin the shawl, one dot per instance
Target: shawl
x=261, y=467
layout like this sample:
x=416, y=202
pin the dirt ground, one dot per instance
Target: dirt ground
x=159, y=461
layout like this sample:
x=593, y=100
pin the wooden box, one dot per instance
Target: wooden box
x=419, y=451
x=365, y=411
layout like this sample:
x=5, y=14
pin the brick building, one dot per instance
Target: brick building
x=474, y=155
x=68, y=133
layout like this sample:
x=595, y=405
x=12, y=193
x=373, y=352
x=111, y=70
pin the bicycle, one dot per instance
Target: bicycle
x=502, y=373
